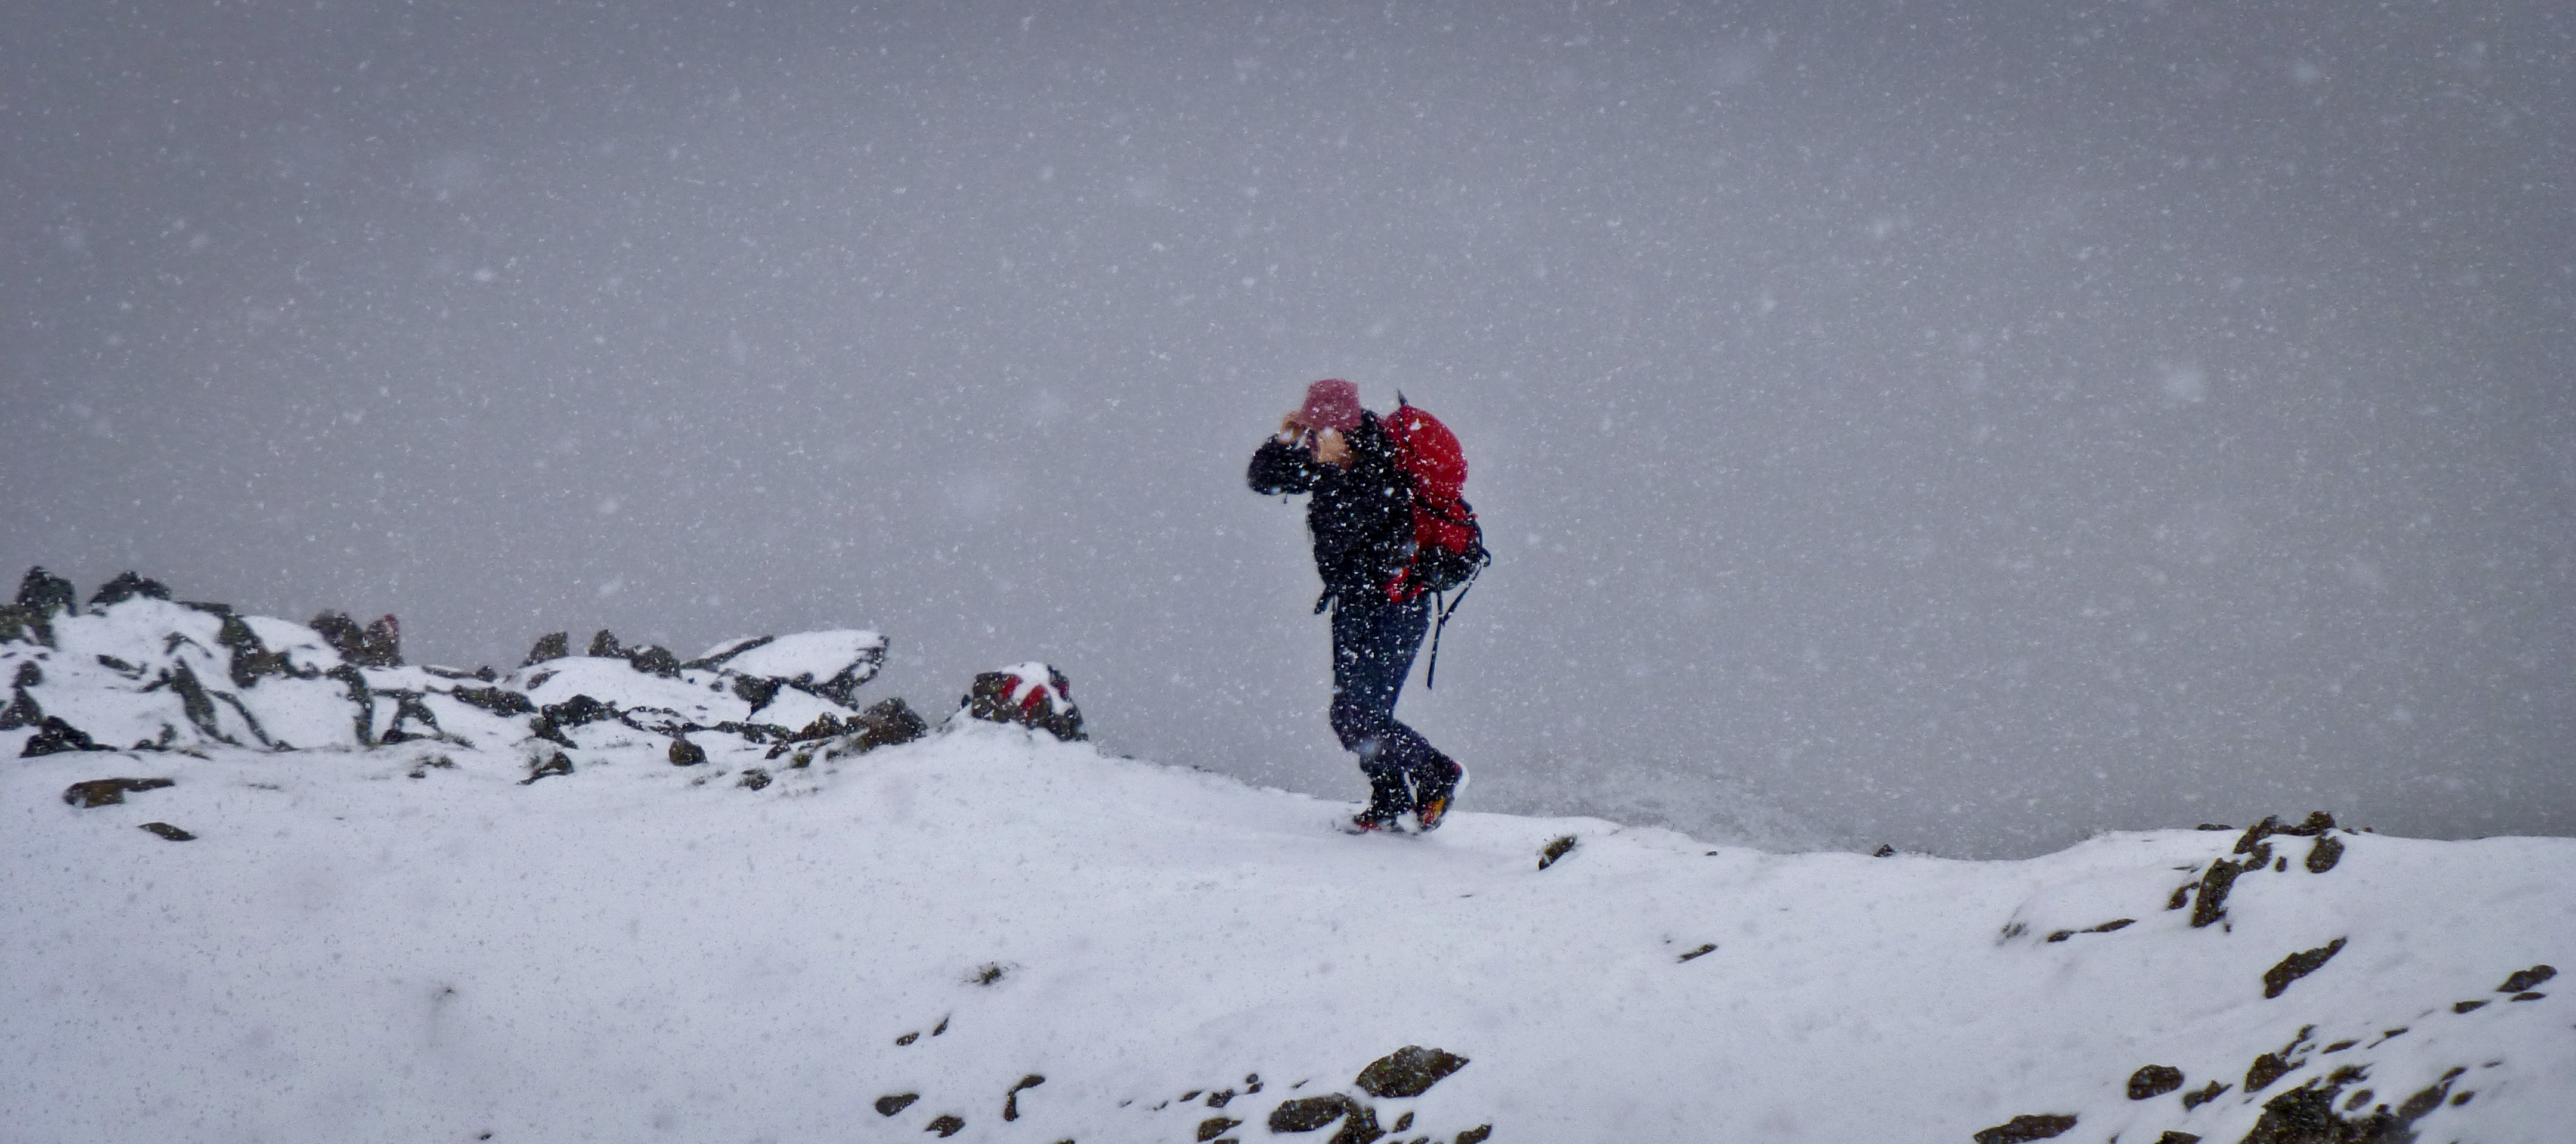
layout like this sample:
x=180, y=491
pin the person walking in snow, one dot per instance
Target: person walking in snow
x=1361, y=519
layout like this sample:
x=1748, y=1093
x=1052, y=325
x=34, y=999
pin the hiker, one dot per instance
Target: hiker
x=1361, y=518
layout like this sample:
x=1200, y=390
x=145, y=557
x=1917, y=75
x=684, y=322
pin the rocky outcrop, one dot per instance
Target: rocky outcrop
x=2208, y=897
x=43, y=592
x=1409, y=1071
x=1032, y=695
x=135, y=671
x=2311, y=1088
x=127, y=586
x=379, y=644
x=1403, y=1074
x=550, y=646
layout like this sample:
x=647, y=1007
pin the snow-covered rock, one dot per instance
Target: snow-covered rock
x=136, y=671
x=1031, y=694
x=830, y=664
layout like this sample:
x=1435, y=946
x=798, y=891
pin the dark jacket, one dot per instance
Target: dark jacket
x=1361, y=518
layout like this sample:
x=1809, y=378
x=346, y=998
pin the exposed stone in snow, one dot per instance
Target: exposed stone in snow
x=1029, y=694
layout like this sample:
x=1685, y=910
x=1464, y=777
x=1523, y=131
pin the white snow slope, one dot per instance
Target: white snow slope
x=362, y=944
x=631, y=953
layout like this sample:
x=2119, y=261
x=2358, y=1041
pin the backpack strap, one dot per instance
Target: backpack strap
x=1432, y=671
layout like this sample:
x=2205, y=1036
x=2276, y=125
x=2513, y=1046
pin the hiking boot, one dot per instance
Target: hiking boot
x=1373, y=822
x=1429, y=814
x=1436, y=801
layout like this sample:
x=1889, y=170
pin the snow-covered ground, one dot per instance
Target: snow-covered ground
x=415, y=941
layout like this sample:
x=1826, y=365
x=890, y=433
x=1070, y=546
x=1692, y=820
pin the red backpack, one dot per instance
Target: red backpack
x=1448, y=544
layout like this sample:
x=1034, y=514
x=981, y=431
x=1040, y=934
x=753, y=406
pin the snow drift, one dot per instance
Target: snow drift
x=307, y=908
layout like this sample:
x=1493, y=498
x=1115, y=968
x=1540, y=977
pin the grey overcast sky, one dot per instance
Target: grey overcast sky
x=1962, y=425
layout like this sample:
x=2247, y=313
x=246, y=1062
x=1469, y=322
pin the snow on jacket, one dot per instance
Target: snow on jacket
x=1361, y=518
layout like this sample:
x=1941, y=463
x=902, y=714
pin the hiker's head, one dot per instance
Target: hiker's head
x=1332, y=448
x=1331, y=404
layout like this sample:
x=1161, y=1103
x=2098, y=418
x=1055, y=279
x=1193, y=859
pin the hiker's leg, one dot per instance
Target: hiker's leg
x=1362, y=711
x=1366, y=678
x=1428, y=772
x=1384, y=640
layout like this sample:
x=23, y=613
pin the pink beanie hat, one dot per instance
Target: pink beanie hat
x=1331, y=404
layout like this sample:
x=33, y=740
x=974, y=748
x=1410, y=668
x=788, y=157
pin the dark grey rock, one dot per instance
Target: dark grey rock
x=947, y=1125
x=1556, y=851
x=1308, y=1113
x=886, y=723
x=559, y=764
x=755, y=690
x=54, y=736
x=824, y=726
x=2153, y=1081
x=1407, y=1072
x=2306, y=1115
x=2019, y=1129
x=2323, y=855
x=497, y=700
x=249, y=660
x=342, y=633
x=193, y=700
x=109, y=792
x=552, y=645
x=23, y=710
x=2273, y=1066
x=706, y=662
x=2298, y=965
x=1011, y=1100
x=653, y=659
x=577, y=711
x=890, y=1105
x=412, y=719
x=354, y=684
x=2209, y=903
x=1360, y=1127
x=126, y=586
x=687, y=754
x=1215, y=1126
x=2210, y=1092
x=44, y=593
x=170, y=832
x=604, y=643
x=22, y=624
x=2317, y=823
x=2523, y=980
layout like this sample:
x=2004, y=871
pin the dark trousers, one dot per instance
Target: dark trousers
x=1373, y=648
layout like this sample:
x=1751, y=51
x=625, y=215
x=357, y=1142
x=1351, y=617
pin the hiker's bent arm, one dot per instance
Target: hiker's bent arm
x=1280, y=467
